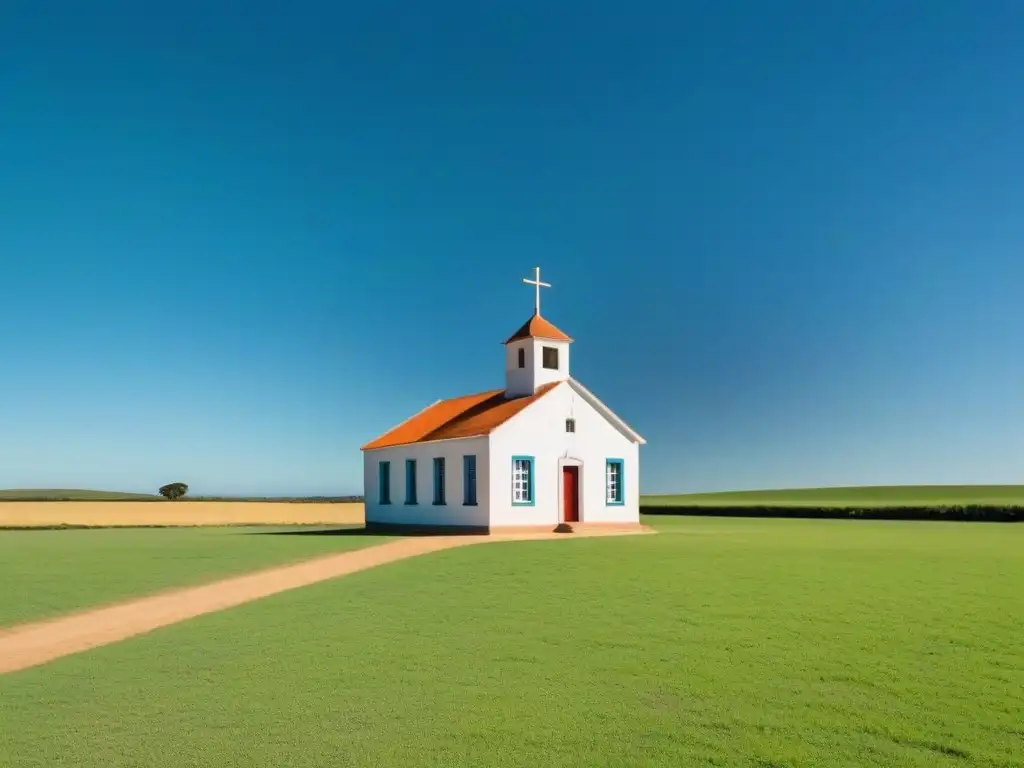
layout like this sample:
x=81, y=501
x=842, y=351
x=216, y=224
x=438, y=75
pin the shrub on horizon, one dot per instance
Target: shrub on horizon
x=173, y=491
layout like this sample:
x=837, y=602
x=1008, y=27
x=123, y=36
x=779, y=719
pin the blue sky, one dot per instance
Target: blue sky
x=239, y=239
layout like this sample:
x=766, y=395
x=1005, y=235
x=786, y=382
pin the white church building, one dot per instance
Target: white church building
x=539, y=452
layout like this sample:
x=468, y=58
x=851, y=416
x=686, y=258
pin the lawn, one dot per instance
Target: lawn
x=858, y=496
x=718, y=642
x=45, y=573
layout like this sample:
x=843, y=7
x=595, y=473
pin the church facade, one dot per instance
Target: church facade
x=541, y=451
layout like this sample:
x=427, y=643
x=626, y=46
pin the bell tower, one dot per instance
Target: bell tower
x=536, y=354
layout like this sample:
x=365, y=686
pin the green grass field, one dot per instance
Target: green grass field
x=45, y=573
x=860, y=496
x=729, y=642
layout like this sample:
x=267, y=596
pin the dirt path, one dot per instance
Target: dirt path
x=29, y=645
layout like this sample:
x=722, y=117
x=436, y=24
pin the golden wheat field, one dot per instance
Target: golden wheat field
x=126, y=513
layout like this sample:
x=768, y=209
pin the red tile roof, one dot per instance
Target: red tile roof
x=466, y=416
x=537, y=328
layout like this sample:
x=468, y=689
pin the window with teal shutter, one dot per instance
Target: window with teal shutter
x=522, y=481
x=469, y=480
x=410, y=481
x=614, y=482
x=439, y=480
x=384, y=482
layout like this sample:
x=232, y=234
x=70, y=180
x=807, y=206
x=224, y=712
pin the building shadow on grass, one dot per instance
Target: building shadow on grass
x=342, y=531
x=357, y=531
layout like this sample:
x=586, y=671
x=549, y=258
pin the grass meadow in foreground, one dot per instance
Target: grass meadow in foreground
x=858, y=496
x=46, y=573
x=717, y=642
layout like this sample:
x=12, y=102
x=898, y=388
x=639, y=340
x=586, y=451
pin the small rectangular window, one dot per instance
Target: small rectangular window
x=614, y=481
x=384, y=482
x=550, y=358
x=522, y=480
x=439, y=480
x=570, y=425
x=410, y=481
x=522, y=357
x=469, y=480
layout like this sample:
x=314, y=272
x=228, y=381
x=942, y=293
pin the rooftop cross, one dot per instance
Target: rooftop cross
x=537, y=285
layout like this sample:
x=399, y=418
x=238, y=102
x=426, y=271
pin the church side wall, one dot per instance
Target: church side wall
x=539, y=431
x=453, y=512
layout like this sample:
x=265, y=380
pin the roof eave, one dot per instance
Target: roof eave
x=423, y=442
x=608, y=413
x=566, y=340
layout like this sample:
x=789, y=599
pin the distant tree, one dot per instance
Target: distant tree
x=173, y=491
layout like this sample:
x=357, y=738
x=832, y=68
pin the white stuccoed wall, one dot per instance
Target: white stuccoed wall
x=425, y=512
x=524, y=381
x=539, y=431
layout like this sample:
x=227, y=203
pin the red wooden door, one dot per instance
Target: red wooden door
x=571, y=494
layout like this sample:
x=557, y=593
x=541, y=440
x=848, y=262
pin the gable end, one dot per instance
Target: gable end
x=606, y=412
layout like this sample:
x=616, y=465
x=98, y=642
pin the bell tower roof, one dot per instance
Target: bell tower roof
x=537, y=328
